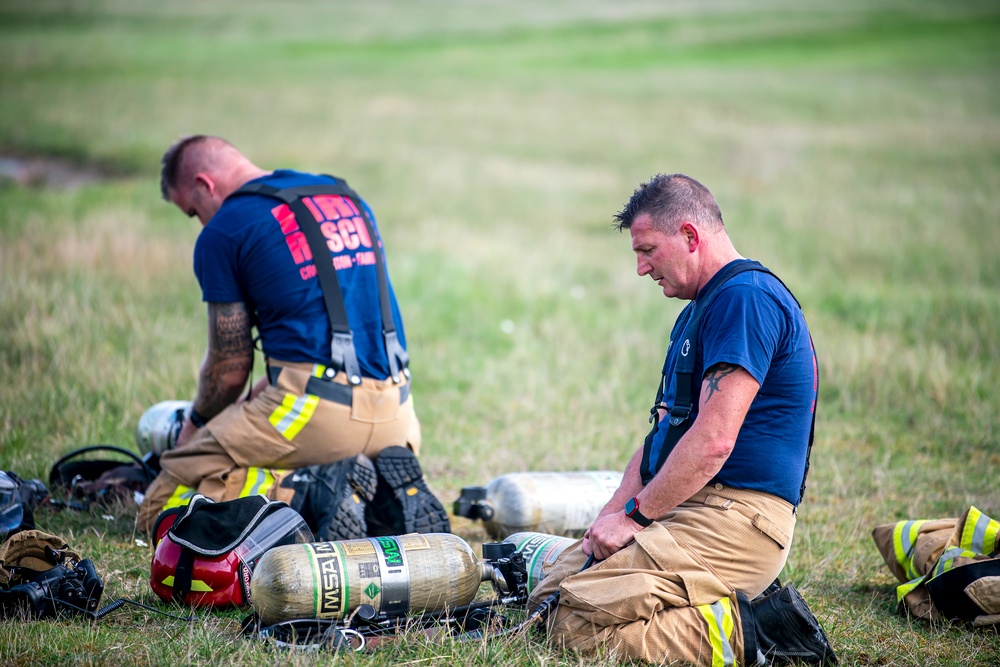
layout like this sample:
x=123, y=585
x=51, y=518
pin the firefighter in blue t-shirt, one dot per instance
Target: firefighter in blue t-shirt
x=703, y=519
x=351, y=436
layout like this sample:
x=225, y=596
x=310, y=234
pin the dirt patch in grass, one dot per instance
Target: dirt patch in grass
x=42, y=171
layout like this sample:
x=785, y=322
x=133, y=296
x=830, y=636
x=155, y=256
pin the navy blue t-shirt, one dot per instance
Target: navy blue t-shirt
x=755, y=323
x=253, y=251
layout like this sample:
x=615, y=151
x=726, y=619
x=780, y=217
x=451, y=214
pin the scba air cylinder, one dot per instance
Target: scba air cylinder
x=540, y=551
x=160, y=425
x=395, y=575
x=560, y=503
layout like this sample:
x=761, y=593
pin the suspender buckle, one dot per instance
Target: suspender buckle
x=344, y=358
x=679, y=414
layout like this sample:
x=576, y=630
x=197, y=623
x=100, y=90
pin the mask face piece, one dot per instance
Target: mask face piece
x=11, y=508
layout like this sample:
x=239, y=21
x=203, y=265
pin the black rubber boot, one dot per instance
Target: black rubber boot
x=402, y=502
x=332, y=498
x=779, y=629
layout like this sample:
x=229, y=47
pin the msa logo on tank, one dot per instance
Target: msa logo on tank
x=342, y=226
x=331, y=602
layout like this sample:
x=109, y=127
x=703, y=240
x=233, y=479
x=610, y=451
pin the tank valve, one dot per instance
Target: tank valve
x=472, y=504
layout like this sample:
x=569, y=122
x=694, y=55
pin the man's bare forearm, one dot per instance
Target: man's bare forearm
x=228, y=360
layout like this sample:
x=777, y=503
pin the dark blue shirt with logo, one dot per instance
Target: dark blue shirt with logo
x=253, y=251
x=756, y=324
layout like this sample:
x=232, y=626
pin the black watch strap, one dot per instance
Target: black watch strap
x=632, y=512
x=196, y=418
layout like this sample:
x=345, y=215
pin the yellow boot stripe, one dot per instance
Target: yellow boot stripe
x=181, y=496
x=719, y=617
x=293, y=413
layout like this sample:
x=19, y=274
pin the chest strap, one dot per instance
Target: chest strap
x=688, y=387
x=343, y=357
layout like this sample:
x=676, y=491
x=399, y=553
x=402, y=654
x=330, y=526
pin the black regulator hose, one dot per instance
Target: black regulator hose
x=543, y=610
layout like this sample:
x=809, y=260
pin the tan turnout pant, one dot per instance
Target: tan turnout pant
x=251, y=446
x=670, y=596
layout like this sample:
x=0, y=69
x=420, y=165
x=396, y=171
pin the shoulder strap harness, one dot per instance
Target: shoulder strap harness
x=689, y=387
x=343, y=357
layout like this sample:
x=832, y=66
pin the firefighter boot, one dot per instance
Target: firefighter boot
x=332, y=497
x=402, y=502
x=779, y=629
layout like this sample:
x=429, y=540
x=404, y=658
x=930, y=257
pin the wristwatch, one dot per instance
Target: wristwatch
x=196, y=418
x=632, y=512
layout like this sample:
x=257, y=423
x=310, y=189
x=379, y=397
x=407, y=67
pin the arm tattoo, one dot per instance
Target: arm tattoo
x=714, y=376
x=229, y=329
x=230, y=351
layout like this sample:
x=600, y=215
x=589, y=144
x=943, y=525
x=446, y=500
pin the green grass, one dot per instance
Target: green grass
x=854, y=148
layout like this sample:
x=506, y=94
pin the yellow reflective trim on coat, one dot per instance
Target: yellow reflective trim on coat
x=181, y=496
x=197, y=585
x=259, y=482
x=947, y=559
x=904, y=589
x=293, y=414
x=719, y=617
x=904, y=537
x=979, y=533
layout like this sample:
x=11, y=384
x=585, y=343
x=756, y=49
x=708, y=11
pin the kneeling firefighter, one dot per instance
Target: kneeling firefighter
x=331, y=428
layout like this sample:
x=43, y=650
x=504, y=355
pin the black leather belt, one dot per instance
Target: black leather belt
x=331, y=391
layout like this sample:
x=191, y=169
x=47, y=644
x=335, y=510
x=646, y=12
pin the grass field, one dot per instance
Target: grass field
x=854, y=147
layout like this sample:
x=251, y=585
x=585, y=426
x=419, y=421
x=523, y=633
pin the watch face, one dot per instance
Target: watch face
x=630, y=507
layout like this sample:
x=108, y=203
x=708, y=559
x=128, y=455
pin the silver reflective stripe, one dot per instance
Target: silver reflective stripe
x=979, y=535
x=727, y=651
x=947, y=557
x=293, y=413
x=905, y=538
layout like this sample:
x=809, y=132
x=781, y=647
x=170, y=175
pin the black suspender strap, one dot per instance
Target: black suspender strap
x=343, y=357
x=687, y=386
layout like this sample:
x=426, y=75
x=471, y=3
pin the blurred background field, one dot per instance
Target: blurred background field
x=854, y=148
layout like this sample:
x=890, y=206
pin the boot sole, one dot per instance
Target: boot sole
x=348, y=522
x=422, y=511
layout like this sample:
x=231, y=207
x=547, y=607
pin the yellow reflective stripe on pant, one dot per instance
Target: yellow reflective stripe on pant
x=979, y=534
x=181, y=496
x=719, y=616
x=293, y=413
x=259, y=482
x=904, y=537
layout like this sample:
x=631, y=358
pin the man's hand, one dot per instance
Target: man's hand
x=187, y=430
x=609, y=534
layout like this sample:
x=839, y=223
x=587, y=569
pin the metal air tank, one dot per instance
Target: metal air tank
x=560, y=503
x=395, y=575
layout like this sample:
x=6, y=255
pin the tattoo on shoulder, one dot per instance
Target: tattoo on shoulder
x=714, y=376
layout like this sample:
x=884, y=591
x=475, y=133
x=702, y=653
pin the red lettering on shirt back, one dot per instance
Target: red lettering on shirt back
x=308, y=201
x=299, y=247
x=351, y=240
x=362, y=228
x=342, y=226
x=285, y=217
x=333, y=240
x=335, y=207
